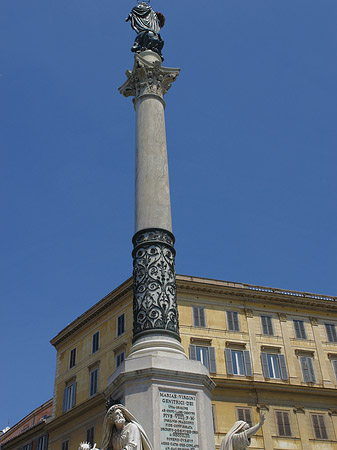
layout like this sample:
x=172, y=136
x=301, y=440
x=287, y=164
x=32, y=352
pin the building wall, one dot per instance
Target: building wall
x=255, y=392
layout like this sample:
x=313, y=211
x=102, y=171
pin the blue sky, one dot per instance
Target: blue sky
x=251, y=129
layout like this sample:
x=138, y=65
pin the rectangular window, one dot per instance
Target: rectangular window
x=120, y=358
x=238, y=362
x=199, y=316
x=283, y=423
x=120, y=324
x=65, y=445
x=91, y=436
x=244, y=414
x=274, y=366
x=331, y=332
x=319, y=426
x=72, y=360
x=267, y=325
x=93, y=382
x=41, y=443
x=233, y=321
x=69, y=397
x=299, y=329
x=206, y=355
x=308, y=369
x=95, y=342
x=27, y=446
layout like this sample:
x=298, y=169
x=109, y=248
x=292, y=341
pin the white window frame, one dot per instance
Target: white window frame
x=205, y=354
x=69, y=397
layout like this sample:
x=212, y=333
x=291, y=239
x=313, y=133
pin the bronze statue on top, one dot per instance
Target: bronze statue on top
x=147, y=25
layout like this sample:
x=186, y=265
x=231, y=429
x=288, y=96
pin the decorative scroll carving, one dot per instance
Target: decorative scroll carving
x=154, y=283
x=148, y=78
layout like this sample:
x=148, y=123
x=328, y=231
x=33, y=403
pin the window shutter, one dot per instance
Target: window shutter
x=297, y=329
x=316, y=426
x=279, y=417
x=73, y=397
x=241, y=414
x=202, y=317
x=303, y=334
x=265, y=368
x=328, y=328
x=229, y=363
x=334, y=363
x=283, y=367
x=196, y=316
x=305, y=369
x=64, y=404
x=248, y=417
x=264, y=325
x=311, y=370
x=236, y=321
x=286, y=424
x=230, y=320
x=324, y=434
x=248, y=365
x=193, y=352
x=212, y=359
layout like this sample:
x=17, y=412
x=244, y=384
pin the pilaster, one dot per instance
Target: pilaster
x=321, y=355
x=302, y=426
x=290, y=355
x=255, y=354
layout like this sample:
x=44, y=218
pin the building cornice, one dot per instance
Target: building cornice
x=77, y=411
x=185, y=283
x=226, y=383
x=253, y=293
x=93, y=312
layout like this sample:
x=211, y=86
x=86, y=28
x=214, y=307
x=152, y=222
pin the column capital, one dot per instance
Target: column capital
x=299, y=409
x=313, y=321
x=249, y=313
x=262, y=407
x=148, y=77
x=283, y=317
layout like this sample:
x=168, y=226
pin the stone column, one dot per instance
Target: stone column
x=170, y=394
x=155, y=305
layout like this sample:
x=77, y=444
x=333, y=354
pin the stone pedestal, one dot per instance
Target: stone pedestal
x=170, y=395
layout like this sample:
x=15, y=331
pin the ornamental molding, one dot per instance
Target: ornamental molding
x=299, y=409
x=283, y=317
x=148, y=78
x=154, y=284
x=262, y=407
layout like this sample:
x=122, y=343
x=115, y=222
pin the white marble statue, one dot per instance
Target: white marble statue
x=238, y=437
x=121, y=431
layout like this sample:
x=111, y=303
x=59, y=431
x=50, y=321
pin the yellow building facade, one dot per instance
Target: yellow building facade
x=268, y=351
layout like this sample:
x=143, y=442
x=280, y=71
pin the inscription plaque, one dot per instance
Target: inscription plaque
x=178, y=421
